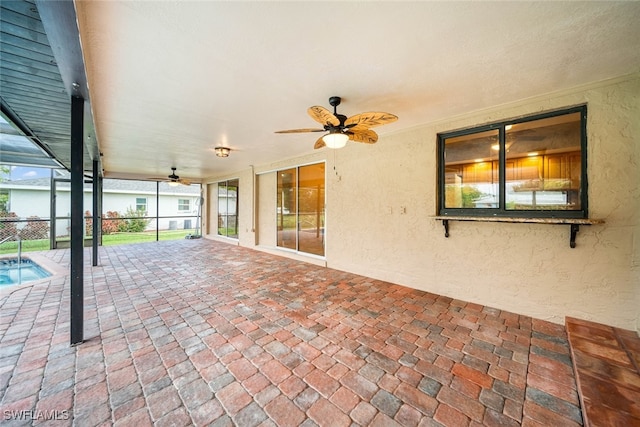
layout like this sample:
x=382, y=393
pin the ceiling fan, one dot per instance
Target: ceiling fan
x=342, y=129
x=173, y=179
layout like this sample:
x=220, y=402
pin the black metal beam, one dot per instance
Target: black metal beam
x=77, y=220
x=16, y=120
x=60, y=24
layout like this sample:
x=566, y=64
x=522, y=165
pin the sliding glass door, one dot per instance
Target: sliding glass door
x=300, y=208
x=287, y=207
x=228, y=208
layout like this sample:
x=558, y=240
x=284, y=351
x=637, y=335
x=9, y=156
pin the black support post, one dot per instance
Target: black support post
x=95, y=232
x=52, y=212
x=77, y=220
x=157, y=211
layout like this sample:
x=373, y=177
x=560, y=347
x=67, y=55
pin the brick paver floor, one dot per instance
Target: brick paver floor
x=198, y=332
x=607, y=367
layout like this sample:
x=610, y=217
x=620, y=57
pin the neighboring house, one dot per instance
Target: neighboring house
x=176, y=207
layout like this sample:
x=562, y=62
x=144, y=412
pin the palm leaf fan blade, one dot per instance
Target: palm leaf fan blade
x=371, y=119
x=300, y=130
x=319, y=143
x=323, y=116
x=358, y=134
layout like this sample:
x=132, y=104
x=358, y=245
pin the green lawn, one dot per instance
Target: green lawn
x=107, y=240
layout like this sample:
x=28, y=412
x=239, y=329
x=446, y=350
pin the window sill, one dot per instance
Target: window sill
x=575, y=223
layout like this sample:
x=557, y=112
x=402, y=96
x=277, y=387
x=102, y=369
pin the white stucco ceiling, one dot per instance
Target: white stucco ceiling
x=170, y=80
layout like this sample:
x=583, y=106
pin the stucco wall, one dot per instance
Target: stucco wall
x=381, y=199
x=267, y=187
x=525, y=268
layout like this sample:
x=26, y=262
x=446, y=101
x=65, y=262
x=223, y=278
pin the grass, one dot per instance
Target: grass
x=27, y=246
x=107, y=240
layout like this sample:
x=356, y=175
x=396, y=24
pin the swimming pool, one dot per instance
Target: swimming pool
x=12, y=273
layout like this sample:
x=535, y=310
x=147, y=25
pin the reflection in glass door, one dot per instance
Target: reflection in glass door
x=228, y=208
x=300, y=208
x=286, y=209
x=311, y=209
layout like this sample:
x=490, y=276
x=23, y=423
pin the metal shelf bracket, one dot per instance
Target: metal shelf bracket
x=575, y=223
x=574, y=230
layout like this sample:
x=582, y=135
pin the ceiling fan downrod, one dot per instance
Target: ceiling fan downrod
x=334, y=101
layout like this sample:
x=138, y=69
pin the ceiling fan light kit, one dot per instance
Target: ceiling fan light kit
x=222, y=151
x=342, y=129
x=335, y=139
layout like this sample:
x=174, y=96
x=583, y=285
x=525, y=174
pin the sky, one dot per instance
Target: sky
x=21, y=172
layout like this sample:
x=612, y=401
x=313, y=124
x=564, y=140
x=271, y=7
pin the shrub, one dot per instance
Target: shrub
x=8, y=229
x=88, y=223
x=136, y=220
x=35, y=230
x=111, y=223
x=133, y=221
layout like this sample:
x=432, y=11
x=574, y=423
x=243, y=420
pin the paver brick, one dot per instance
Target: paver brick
x=545, y=416
x=470, y=407
x=242, y=369
x=416, y=398
x=248, y=338
x=284, y=413
x=473, y=375
x=162, y=402
x=325, y=413
x=449, y=416
x=233, y=398
x=466, y=387
x=275, y=371
x=359, y=385
x=176, y=418
x=321, y=382
x=250, y=416
x=386, y=402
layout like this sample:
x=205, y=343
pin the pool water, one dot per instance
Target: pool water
x=12, y=273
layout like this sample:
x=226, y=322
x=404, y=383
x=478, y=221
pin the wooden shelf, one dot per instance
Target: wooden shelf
x=575, y=223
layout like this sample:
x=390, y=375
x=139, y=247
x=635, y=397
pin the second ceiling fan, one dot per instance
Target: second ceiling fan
x=173, y=179
x=342, y=129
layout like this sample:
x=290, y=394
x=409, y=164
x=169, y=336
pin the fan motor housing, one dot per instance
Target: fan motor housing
x=334, y=101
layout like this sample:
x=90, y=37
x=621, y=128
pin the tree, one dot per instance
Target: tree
x=469, y=196
x=136, y=220
x=5, y=171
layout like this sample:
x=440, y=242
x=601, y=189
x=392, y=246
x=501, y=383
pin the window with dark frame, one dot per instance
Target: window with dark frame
x=183, y=205
x=141, y=204
x=527, y=167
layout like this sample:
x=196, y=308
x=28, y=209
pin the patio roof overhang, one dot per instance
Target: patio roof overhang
x=41, y=69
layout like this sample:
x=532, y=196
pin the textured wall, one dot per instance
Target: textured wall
x=526, y=268
x=267, y=184
x=381, y=199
